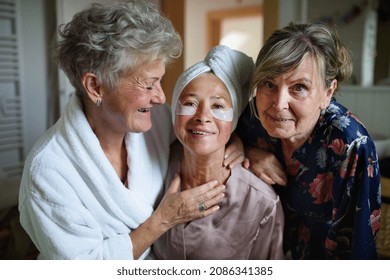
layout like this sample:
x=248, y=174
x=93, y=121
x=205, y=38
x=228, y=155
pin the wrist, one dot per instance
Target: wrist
x=157, y=224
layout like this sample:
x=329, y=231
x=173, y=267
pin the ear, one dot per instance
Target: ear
x=92, y=87
x=328, y=94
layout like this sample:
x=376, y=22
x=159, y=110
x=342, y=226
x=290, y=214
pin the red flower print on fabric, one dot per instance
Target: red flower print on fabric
x=262, y=144
x=338, y=146
x=370, y=168
x=331, y=245
x=321, y=188
x=352, y=115
x=346, y=164
x=293, y=167
x=375, y=218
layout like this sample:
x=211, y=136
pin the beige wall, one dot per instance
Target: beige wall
x=195, y=25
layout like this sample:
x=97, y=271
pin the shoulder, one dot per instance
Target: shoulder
x=338, y=122
x=343, y=134
x=243, y=177
x=253, y=196
x=46, y=167
x=45, y=148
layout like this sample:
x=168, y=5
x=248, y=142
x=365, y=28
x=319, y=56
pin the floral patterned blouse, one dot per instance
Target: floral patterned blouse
x=332, y=200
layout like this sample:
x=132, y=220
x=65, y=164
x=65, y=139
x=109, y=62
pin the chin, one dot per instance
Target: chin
x=275, y=134
x=141, y=128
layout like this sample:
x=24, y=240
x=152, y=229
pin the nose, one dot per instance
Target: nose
x=203, y=114
x=159, y=96
x=281, y=99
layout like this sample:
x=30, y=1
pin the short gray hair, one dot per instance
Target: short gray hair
x=287, y=47
x=110, y=40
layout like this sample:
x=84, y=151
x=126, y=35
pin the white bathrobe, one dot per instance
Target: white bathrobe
x=72, y=203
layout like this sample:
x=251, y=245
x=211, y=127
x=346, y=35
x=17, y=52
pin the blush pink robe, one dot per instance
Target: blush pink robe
x=249, y=224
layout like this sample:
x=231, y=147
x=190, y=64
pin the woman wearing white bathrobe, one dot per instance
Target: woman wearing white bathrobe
x=92, y=184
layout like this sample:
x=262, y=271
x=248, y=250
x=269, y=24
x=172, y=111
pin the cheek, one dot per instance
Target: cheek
x=261, y=98
x=225, y=129
x=303, y=115
x=180, y=125
x=259, y=104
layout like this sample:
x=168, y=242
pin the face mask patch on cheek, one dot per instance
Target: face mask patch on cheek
x=223, y=115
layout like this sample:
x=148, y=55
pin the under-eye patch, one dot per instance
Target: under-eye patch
x=185, y=110
x=223, y=115
x=220, y=114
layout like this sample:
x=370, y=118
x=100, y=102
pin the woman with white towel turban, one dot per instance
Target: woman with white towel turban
x=92, y=184
x=207, y=101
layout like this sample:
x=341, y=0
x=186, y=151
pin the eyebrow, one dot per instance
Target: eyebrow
x=187, y=94
x=304, y=80
x=217, y=97
x=297, y=77
x=294, y=80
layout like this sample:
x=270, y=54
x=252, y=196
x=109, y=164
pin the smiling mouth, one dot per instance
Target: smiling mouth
x=280, y=119
x=198, y=132
x=144, y=110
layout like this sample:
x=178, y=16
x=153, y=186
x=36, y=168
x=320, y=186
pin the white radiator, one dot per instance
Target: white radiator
x=11, y=126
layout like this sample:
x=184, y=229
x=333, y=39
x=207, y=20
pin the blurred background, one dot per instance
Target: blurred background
x=33, y=91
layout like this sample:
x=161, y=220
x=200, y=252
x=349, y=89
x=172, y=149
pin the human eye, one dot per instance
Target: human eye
x=266, y=87
x=218, y=106
x=299, y=87
x=152, y=86
x=152, y=83
x=300, y=90
x=268, y=84
x=189, y=103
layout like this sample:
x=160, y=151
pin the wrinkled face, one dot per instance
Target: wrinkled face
x=128, y=107
x=201, y=125
x=289, y=105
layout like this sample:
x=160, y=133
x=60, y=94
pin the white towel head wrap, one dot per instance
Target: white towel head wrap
x=234, y=68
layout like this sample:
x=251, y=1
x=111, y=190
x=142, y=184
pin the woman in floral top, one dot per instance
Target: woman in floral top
x=331, y=196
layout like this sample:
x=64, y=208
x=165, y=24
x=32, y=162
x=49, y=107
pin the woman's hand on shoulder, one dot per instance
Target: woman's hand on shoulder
x=266, y=166
x=179, y=207
x=234, y=153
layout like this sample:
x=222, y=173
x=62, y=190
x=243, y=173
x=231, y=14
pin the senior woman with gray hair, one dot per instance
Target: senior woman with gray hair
x=207, y=101
x=92, y=184
x=332, y=196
